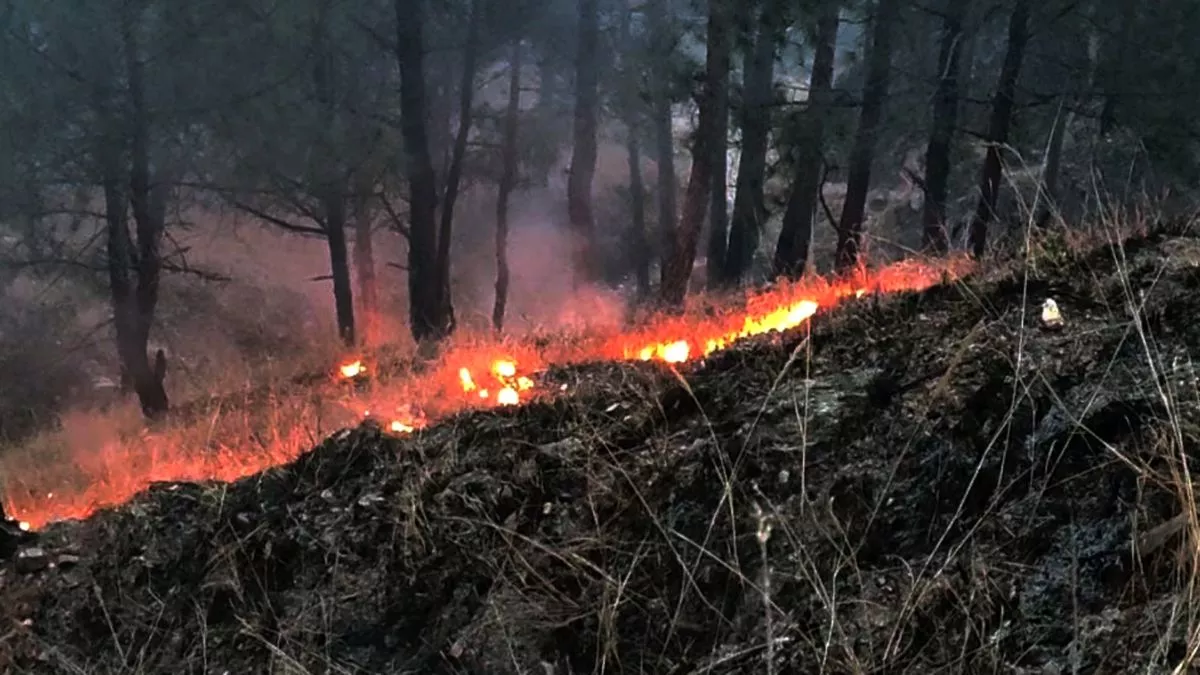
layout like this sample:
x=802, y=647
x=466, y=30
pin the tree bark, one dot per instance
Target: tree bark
x=583, y=159
x=466, y=97
x=508, y=180
x=364, y=264
x=632, y=110
x=998, y=126
x=858, y=180
x=135, y=305
x=718, y=208
x=749, y=202
x=945, y=118
x=664, y=135
x=678, y=269
x=329, y=184
x=333, y=206
x=1064, y=119
x=791, y=251
x=428, y=322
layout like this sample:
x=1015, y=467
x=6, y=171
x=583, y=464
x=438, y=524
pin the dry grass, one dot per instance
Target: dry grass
x=734, y=510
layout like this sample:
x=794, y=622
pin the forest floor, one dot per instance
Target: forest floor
x=925, y=482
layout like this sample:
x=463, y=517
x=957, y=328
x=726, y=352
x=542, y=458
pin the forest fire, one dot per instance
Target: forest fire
x=465, y=377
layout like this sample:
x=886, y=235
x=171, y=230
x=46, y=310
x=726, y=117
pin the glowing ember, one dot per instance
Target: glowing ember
x=352, y=369
x=468, y=384
x=504, y=369
x=466, y=377
x=508, y=396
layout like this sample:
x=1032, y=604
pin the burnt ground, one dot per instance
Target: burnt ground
x=926, y=483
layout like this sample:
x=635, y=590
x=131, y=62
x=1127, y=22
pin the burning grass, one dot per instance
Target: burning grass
x=72, y=473
x=928, y=482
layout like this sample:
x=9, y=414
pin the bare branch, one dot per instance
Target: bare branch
x=279, y=222
x=84, y=265
x=397, y=223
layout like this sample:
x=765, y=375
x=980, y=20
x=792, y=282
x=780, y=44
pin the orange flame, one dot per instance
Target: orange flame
x=465, y=377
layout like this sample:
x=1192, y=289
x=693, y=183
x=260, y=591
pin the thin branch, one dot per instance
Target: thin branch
x=279, y=222
x=80, y=264
x=397, y=223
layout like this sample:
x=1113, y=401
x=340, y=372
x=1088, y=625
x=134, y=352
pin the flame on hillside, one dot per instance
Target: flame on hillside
x=464, y=377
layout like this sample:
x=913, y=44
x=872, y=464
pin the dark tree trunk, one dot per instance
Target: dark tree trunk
x=678, y=268
x=718, y=207
x=466, y=97
x=330, y=186
x=583, y=158
x=1113, y=67
x=858, y=179
x=364, y=265
x=1053, y=166
x=945, y=119
x=428, y=321
x=998, y=126
x=548, y=110
x=333, y=205
x=638, y=246
x=508, y=180
x=439, y=108
x=749, y=202
x=664, y=136
x=135, y=305
x=791, y=251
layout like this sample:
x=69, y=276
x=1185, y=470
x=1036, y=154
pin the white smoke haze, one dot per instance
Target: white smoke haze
x=270, y=319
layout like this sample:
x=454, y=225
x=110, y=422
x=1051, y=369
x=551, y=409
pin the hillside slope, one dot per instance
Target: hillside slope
x=928, y=482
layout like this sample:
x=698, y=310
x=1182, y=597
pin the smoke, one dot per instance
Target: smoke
x=273, y=315
x=541, y=292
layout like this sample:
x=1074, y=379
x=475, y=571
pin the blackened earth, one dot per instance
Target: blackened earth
x=924, y=483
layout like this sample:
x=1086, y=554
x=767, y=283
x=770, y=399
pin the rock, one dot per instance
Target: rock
x=32, y=559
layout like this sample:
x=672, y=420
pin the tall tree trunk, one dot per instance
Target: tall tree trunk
x=466, y=97
x=333, y=205
x=148, y=199
x=547, y=109
x=998, y=126
x=858, y=180
x=1113, y=68
x=678, y=268
x=439, y=107
x=639, y=245
x=426, y=312
x=1052, y=165
x=632, y=110
x=791, y=251
x=749, y=201
x=945, y=119
x=583, y=158
x=664, y=136
x=1063, y=121
x=330, y=186
x=508, y=180
x=364, y=265
x=718, y=206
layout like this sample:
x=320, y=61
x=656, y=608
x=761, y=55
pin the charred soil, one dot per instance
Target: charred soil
x=931, y=482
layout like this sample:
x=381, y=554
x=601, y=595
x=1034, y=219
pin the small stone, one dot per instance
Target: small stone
x=32, y=559
x=1051, y=316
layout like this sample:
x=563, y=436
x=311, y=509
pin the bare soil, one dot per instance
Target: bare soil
x=924, y=483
